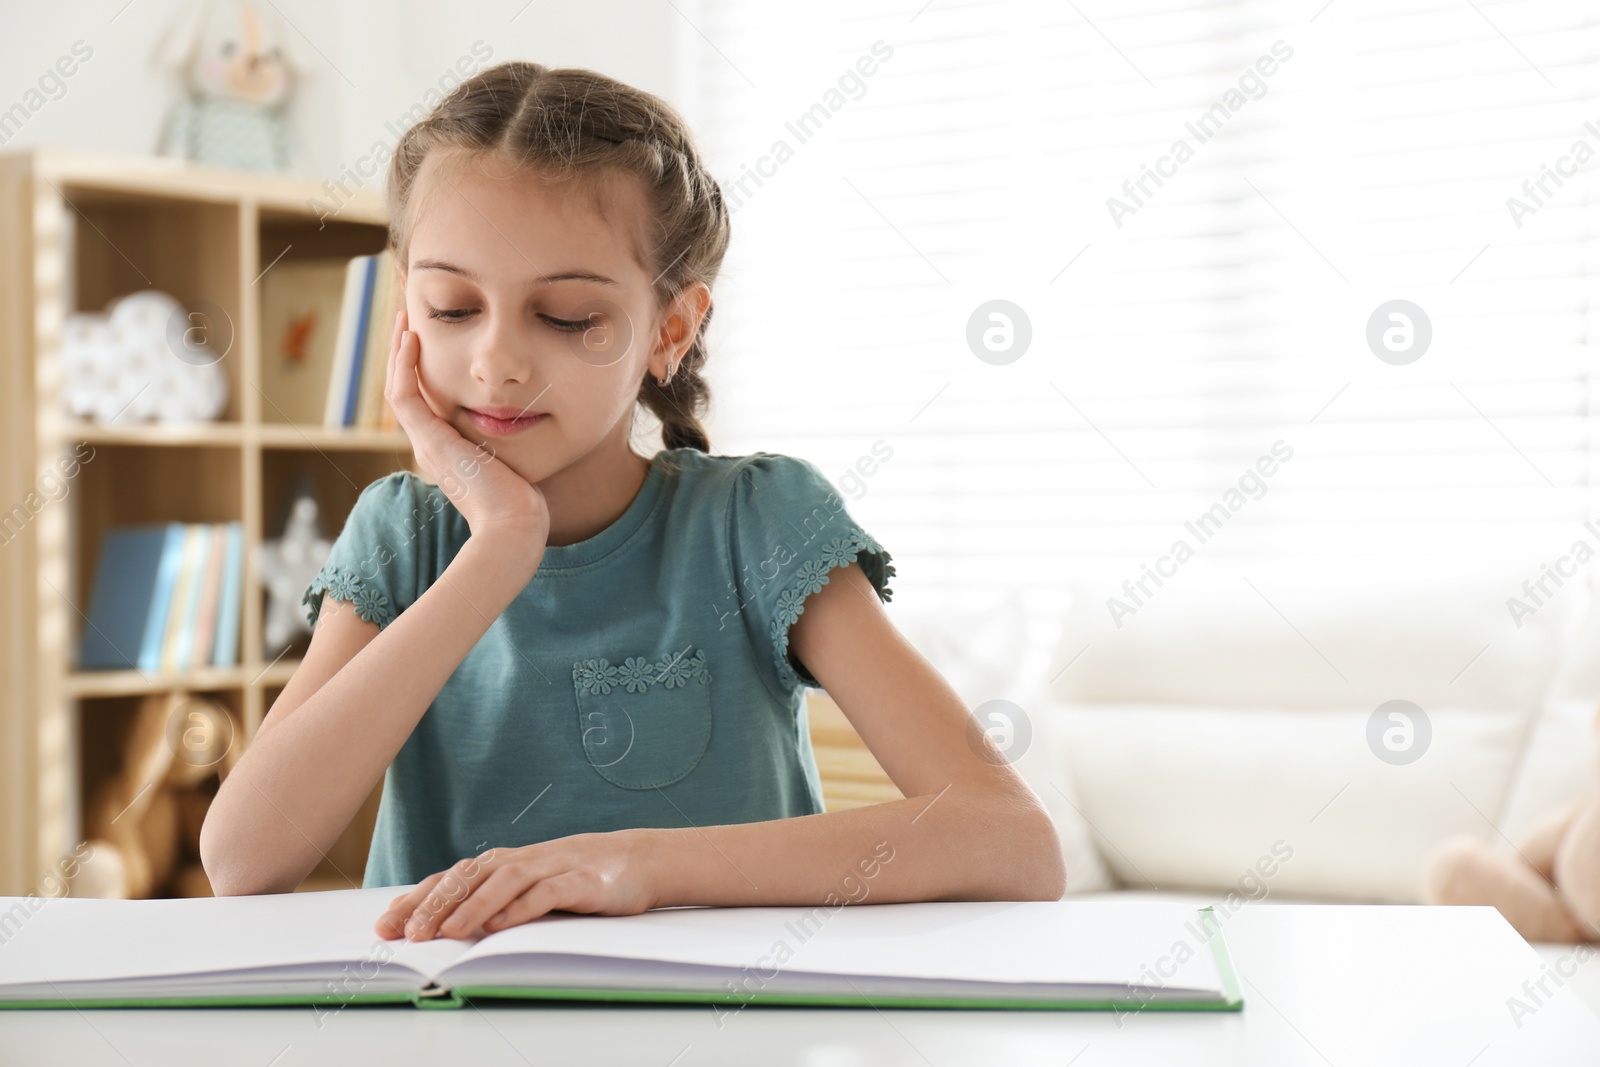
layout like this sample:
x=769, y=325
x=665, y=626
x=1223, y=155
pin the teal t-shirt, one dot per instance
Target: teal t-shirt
x=642, y=678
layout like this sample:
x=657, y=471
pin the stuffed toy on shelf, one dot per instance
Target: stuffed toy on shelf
x=237, y=76
x=143, y=821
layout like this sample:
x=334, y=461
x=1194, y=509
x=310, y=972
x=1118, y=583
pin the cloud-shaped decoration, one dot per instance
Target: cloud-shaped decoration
x=141, y=359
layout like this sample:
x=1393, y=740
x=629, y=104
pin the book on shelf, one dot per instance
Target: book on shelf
x=121, y=609
x=370, y=403
x=166, y=598
x=205, y=627
x=301, y=301
x=325, y=329
x=160, y=598
x=175, y=648
x=321, y=948
x=355, y=284
x=225, y=648
x=348, y=384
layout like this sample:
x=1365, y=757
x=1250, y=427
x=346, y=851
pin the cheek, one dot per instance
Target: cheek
x=608, y=388
x=443, y=352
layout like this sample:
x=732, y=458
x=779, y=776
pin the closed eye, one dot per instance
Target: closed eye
x=461, y=314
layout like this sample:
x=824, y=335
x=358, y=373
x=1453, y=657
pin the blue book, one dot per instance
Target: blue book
x=369, y=269
x=124, y=586
x=166, y=577
x=225, y=651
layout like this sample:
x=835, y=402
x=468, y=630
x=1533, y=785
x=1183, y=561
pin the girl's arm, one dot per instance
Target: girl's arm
x=344, y=715
x=970, y=828
x=358, y=694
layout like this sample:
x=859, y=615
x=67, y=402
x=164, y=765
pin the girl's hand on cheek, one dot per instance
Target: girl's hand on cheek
x=490, y=495
x=590, y=873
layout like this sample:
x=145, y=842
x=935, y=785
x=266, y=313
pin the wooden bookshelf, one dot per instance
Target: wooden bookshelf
x=200, y=234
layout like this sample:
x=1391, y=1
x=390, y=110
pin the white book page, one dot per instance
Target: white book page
x=1148, y=943
x=74, y=940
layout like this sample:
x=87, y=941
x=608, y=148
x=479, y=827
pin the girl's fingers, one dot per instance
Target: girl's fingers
x=442, y=899
x=402, y=389
x=394, y=347
x=394, y=334
x=402, y=906
x=498, y=890
x=402, y=373
x=430, y=436
x=425, y=422
x=546, y=895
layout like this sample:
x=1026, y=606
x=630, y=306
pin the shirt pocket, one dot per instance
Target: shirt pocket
x=644, y=722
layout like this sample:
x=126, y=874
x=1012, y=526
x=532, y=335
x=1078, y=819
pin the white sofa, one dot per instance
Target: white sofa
x=1217, y=741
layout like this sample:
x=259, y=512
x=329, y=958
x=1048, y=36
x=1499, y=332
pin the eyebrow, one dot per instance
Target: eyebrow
x=546, y=279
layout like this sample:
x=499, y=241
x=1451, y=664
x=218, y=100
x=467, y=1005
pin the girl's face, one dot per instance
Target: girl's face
x=536, y=318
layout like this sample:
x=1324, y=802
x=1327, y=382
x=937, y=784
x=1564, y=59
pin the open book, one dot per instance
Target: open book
x=320, y=948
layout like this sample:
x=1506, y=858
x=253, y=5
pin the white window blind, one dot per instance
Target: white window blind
x=1228, y=312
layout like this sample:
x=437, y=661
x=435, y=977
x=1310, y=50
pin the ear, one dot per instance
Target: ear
x=680, y=326
x=177, y=44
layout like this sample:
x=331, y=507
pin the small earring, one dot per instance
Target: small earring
x=668, y=378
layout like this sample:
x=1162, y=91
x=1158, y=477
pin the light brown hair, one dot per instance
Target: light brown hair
x=573, y=125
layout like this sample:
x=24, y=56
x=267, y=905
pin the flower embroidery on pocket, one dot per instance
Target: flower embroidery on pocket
x=594, y=675
x=597, y=676
x=678, y=671
x=644, y=723
x=635, y=674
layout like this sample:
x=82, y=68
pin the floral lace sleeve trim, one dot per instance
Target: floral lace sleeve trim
x=343, y=584
x=811, y=577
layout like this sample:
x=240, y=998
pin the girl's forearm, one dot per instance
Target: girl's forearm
x=966, y=843
x=303, y=778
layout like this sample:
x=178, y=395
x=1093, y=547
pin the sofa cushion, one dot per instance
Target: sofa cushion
x=1197, y=797
x=1225, y=715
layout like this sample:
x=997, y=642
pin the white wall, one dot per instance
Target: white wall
x=366, y=63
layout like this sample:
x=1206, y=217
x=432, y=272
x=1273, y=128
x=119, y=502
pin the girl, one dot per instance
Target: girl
x=583, y=668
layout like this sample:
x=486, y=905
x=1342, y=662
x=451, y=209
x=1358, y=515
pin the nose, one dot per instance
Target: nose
x=500, y=357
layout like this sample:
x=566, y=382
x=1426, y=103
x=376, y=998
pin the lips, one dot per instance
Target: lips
x=502, y=421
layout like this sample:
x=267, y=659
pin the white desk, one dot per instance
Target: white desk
x=1340, y=985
